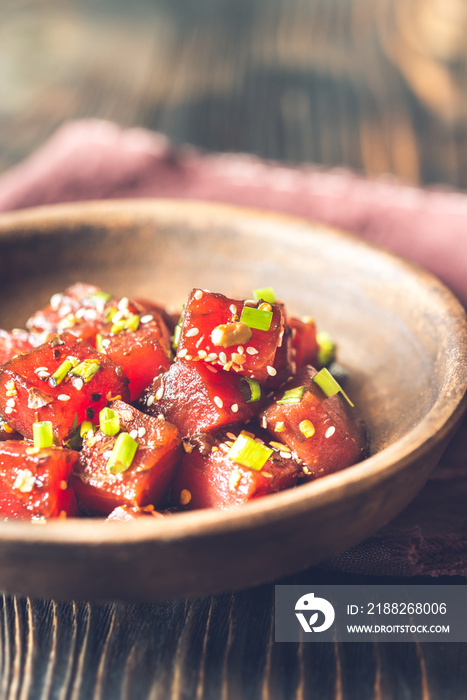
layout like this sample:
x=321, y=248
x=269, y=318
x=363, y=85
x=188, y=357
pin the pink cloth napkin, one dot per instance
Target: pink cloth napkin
x=97, y=160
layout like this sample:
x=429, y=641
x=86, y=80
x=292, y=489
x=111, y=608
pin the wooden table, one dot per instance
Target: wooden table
x=374, y=85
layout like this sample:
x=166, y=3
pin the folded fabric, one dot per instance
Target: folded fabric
x=93, y=159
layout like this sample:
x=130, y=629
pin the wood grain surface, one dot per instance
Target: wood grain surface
x=375, y=85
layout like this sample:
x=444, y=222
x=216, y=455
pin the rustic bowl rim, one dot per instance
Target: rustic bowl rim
x=435, y=426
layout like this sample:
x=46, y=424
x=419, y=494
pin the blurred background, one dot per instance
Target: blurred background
x=379, y=86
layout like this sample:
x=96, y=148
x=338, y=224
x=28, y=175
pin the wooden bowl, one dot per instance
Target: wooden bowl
x=401, y=335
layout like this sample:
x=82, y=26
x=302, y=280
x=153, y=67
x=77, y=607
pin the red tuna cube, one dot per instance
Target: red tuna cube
x=34, y=482
x=304, y=342
x=13, y=343
x=322, y=431
x=223, y=332
x=137, y=339
x=64, y=381
x=128, y=514
x=198, y=397
x=208, y=478
x=80, y=309
x=147, y=479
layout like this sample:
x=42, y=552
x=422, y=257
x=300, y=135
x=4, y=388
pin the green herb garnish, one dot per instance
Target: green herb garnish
x=85, y=427
x=125, y=324
x=86, y=370
x=266, y=294
x=256, y=318
x=294, y=395
x=43, y=434
x=328, y=384
x=327, y=348
x=249, y=453
x=109, y=422
x=122, y=454
x=251, y=391
x=60, y=373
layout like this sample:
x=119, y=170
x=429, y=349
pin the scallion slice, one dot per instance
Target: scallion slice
x=86, y=370
x=249, y=453
x=126, y=324
x=256, y=318
x=85, y=427
x=123, y=453
x=250, y=388
x=176, y=338
x=294, y=395
x=109, y=421
x=266, y=294
x=328, y=384
x=42, y=432
x=327, y=348
x=99, y=346
x=60, y=373
x=99, y=299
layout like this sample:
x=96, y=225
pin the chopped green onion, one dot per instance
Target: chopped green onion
x=85, y=427
x=266, y=294
x=100, y=299
x=43, y=434
x=109, y=421
x=176, y=338
x=249, y=453
x=256, y=318
x=252, y=391
x=327, y=348
x=122, y=454
x=126, y=324
x=110, y=313
x=60, y=373
x=328, y=384
x=86, y=370
x=99, y=346
x=294, y=395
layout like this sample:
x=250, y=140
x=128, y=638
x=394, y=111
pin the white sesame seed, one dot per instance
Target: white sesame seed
x=8, y=410
x=222, y=358
x=146, y=318
x=264, y=422
x=123, y=304
x=105, y=343
x=271, y=371
x=188, y=357
x=198, y=294
x=159, y=393
x=202, y=354
x=224, y=447
x=64, y=310
x=78, y=383
x=234, y=408
x=24, y=481
x=251, y=351
x=199, y=341
x=191, y=332
x=231, y=436
x=141, y=432
x=330, y=431
x=240, y=349
x=285, y=455
x=218, y=401
x=63, y=397
x=233, y=308
x=182, y=352
x=90, y=434
x=211, y=357
x=37, y=370
x=150, y=400
x=55, y=301
x=134, y=434
x=11, y=402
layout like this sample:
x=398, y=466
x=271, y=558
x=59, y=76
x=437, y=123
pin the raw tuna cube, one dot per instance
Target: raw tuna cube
x=322, y=431
x=208, y=478
x=85, y=381
x=80, y=309
x=34, y=482
x=221, y=331
x=198, y=397
x=304, y=342
x=138, y=340
x=12, y=343
x=148, y=477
